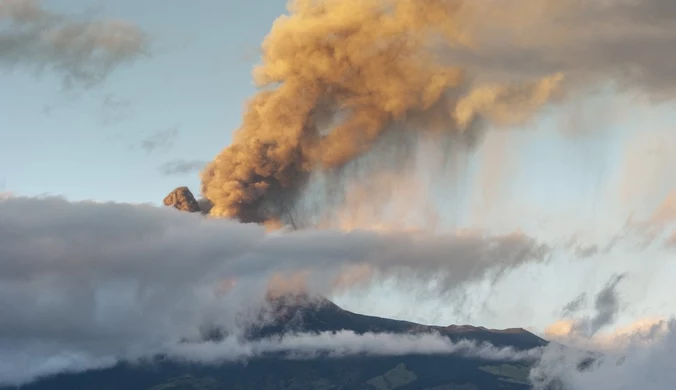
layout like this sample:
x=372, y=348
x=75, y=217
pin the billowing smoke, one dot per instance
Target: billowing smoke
x=347, y=81
x=336, y=77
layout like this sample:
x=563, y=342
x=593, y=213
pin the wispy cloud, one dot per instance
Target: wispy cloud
x=606, y=309
x=115, y=110
x=671, y=242
x=574, y=306
x=598, y=357
x=181, y=167
x=639, y=358
x=655, y=228
x=345, y=343
x=606, y=306
x=160, y=140
x=82, y=52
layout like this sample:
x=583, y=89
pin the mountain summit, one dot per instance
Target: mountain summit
x=302, y=313
x=182, y=199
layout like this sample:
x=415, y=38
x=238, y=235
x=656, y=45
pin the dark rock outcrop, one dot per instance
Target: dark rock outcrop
x=182, y=199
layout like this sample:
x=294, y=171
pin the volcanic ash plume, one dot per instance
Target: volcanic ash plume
x=335, y=77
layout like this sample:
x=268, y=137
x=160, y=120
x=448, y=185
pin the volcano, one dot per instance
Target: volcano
x=303, y=314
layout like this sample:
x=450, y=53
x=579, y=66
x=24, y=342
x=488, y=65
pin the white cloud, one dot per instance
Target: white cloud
x=641, y=360
x=346, y=343
x=181, y=167
x=629, y=357
x=93, y=282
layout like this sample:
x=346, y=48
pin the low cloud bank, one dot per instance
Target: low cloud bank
x=83, y=284
x=26, y=368
x=343, y=344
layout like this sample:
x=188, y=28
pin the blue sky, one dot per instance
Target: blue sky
x=196, y=81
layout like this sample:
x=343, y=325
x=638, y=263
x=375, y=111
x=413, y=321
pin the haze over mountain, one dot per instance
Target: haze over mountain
x=309, y=342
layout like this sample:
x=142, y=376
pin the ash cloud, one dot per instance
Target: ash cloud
x=444, y=69
x=82, y=52
x=336, y=79
x=85, y=284
x=591, y=42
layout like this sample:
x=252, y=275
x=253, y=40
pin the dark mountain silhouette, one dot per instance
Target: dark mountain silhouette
x=300, y=313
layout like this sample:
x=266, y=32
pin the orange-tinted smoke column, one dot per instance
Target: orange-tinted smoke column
x=335, y=75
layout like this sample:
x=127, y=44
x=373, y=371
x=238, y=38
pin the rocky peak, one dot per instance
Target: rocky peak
x=182, y=199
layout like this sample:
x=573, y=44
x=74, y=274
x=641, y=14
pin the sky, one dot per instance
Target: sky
x=187, y=96
x=586, y=175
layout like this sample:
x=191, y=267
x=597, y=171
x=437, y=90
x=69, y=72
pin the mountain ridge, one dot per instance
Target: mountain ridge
x=302, y=314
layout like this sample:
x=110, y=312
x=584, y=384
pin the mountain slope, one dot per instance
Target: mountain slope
x=300, y=314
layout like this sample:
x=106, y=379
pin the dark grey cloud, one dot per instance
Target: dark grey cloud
x=575, y=305
x=160, y=140
x=85, y=284
x=606, y=308
x=82, y=52
x=181, y=167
